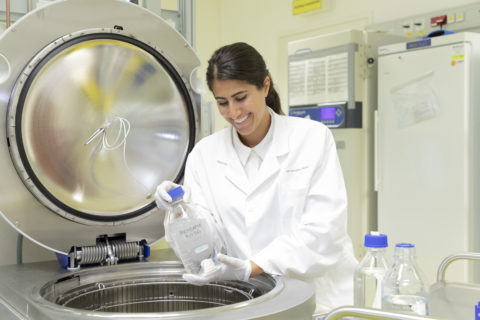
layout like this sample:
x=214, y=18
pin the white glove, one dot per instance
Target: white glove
x=228, y=268
x=163, y=199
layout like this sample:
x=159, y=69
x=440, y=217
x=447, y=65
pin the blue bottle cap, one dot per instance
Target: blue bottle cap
x=176, y=193
x=376, y=240
x=405, y=245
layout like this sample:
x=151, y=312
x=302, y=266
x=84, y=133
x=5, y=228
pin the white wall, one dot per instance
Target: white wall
x=269, y=25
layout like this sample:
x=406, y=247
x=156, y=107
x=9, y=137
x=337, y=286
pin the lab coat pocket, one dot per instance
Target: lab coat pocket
x=292, y=199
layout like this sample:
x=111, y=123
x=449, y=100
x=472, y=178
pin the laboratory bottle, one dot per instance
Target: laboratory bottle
x=370, y=271
x=190, y=231
x=405, y=288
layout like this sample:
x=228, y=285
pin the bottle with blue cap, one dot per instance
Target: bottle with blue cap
x=405, y=288
x=370, y=272
x=189, y=232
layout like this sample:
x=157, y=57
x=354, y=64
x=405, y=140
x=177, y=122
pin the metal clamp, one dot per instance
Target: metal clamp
x=458, y=256
x=367, y=313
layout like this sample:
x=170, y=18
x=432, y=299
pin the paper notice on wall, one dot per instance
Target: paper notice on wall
x=414, y=100
x=318, y=80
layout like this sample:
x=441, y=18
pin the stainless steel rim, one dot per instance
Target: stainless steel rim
x=155, y=295
x=161, y=289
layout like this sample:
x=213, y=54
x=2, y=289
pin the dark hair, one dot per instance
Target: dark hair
x=240, y=61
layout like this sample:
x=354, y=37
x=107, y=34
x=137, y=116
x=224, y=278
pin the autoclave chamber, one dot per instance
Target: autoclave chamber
x=100, y=106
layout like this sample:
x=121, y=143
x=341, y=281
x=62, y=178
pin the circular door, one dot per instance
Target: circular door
x=100, y=120
x=99, y=108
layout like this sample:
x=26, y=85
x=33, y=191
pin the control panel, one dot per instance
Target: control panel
x=456, y=19
x=333, y=115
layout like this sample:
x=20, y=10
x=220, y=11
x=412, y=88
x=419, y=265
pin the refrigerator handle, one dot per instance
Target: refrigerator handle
x=376, y=151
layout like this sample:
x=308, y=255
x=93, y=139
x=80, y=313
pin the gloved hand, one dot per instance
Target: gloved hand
x=162, y=198
x=227, y=268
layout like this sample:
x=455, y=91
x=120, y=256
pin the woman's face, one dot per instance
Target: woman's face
x=243, y=105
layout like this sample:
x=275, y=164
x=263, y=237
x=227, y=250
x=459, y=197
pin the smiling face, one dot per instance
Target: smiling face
x=243, y=105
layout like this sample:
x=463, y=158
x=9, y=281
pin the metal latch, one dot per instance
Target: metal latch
x=109, y=250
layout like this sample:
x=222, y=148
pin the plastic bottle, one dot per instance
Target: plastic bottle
x=405, y=289
x=189, y=232
x=370, y=272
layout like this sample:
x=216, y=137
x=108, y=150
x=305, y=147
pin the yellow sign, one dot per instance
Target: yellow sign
x=302, y=6
x=458, y=57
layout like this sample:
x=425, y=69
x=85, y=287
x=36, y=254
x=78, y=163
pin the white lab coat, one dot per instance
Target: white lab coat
x=293, y=220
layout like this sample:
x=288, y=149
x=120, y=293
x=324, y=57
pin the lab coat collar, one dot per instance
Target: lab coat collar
x=279, y=147
x=243, y=152
x=281, y=133
x=261, y=149
x=227, y=157
x=234, y=171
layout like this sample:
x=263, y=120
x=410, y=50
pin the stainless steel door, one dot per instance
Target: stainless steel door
x=99, y=110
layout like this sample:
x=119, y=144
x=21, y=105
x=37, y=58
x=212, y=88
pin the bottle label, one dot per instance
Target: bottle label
x=192, y=240
x=190, y=230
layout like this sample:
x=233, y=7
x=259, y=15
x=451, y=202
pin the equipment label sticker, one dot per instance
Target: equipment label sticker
x=459, y=58
x=419, y=44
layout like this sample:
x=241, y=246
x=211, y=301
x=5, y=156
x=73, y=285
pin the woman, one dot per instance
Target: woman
x=273, y=183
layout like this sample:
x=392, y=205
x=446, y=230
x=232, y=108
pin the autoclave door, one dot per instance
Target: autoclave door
x=98, y=111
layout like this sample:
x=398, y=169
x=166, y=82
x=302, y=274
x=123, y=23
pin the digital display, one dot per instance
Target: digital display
x=327, y=113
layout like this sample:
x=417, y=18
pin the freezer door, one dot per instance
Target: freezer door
x=424, y=153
